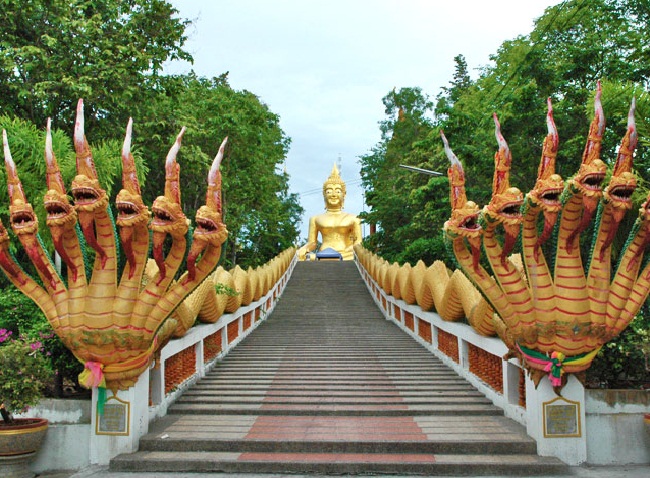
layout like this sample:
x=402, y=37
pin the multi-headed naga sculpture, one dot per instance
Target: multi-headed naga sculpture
x=109, y=317
x=557, y=312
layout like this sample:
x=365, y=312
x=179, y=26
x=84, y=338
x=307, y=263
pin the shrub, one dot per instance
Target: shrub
x=24, y=374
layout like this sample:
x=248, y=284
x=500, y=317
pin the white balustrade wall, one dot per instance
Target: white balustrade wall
x=483, y=362
x=197, y=352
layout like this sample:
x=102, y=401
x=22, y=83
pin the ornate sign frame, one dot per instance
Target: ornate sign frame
x=561, y=418
x=116, y=418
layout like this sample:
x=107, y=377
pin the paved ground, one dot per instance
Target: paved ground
x=626, y=471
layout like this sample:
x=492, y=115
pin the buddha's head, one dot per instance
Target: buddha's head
x=334, y=191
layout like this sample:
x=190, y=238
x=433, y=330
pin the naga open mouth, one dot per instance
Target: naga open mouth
x=205, y=225
x=551, y=197
x=622, y=193
x=593, y=181
x=512, y=210
x=56, y=209
x=161, y=217
x=84, y=195
x=129, y=212
x=22, y=219
x=470, y=223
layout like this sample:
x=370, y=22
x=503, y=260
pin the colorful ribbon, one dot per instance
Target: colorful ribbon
x=93, y=375
x=554, y=364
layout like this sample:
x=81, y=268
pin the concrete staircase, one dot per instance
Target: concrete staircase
x=327, y=385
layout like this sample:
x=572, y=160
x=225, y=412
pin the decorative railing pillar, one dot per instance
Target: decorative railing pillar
x=119, y=421
x=557, y=423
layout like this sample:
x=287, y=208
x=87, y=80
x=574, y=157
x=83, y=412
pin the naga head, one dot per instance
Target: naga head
x=210, y=229
x=131, y=210
x=24, y=222
x=590, y=176
x=89, y=197
x=588, y=181
x=464, y=214
x=549, y=185
x=505, y=205
x=132, y=213
x=86, y=190
x=623, y=181
x=618, y=193
x=168, y=216
x=21, y=213
x=61, y=215
x=57, y=204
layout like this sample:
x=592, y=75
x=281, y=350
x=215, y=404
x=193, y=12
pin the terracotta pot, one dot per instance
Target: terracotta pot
x=18, y=445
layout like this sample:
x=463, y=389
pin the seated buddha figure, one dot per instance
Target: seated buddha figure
x=339, y=230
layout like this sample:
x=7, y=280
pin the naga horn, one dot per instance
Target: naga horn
x=60, y=212
x=86, y=191
x=208, y=218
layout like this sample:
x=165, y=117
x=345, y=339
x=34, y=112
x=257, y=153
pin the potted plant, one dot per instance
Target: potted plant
x=24, y=373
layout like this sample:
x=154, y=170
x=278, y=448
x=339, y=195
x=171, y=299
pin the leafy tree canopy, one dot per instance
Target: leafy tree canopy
x=110, y=52
x=572, y=46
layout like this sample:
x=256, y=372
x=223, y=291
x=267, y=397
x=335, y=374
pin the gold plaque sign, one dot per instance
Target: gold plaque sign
x=561, y=418
x=115, y=419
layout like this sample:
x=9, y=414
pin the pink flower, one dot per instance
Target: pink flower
x=4, y=335
x=36, y=345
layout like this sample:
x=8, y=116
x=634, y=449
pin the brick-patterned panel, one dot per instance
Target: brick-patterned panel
x=487, y=367
x=233, y=330
x=179, y=367
x=408, y=320
x=424, y=331
x=448, y=345
x=212, y=345
x=248, y=320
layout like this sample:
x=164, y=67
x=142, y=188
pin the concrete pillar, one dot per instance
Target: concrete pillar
x=124, y=421
x=557, y=423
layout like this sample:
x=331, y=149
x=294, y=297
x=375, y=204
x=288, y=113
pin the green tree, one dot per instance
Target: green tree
x=261, y=215
x=387, y=186
x=109, y=52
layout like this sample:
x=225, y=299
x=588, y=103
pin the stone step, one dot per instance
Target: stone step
x=345, y=434
x=361, y=399
x=329, y=388
x=378, y=381
x=388, y=410
x=335, y=377
x=337, y=463
x=292, y=392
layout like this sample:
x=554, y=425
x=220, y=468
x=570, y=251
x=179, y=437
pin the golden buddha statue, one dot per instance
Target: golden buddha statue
x=339, y=230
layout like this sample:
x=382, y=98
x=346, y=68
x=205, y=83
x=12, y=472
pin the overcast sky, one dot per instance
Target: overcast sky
x=324, y=66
